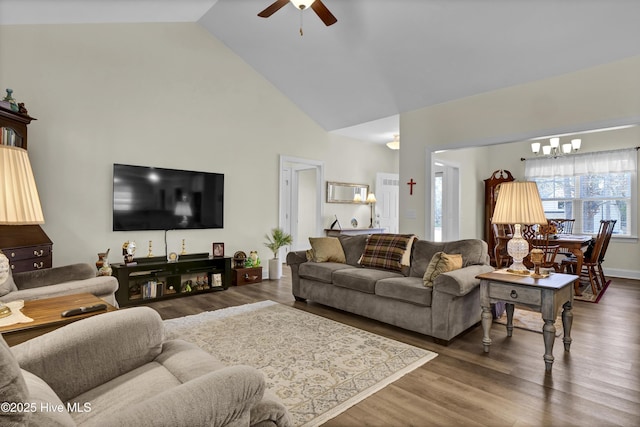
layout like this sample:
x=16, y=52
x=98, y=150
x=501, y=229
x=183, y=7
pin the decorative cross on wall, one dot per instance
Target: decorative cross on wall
x=411, y=183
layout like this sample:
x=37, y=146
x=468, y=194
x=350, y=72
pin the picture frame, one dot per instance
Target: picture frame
x=218, y=250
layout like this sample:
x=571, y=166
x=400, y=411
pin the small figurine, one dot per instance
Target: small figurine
x=128, y=250
x=150, y=254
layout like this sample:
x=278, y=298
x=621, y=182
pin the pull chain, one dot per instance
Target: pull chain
x=301, y=33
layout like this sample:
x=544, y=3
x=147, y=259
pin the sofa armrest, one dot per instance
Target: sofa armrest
x=92, y=351
x=460, y=282
x=103, y=287
x=220, y=398
x=296, y=257
x=52, y=276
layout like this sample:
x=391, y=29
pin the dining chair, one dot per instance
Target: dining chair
x=502, y=233
x=563, y=225
x=589, y=269
x=543, y=240
x=603, y=250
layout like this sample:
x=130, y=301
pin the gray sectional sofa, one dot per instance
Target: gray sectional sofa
x=442, y=311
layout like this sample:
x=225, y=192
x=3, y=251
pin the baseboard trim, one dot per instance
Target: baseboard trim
x=623, y=274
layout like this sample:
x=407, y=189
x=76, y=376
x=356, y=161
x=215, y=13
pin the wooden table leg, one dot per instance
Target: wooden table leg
x=510, y=308
x=486, y=320
x=579, y=260
x=567, y=320
x=549, y=335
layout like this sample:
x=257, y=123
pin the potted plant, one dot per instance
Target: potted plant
x=277, y=239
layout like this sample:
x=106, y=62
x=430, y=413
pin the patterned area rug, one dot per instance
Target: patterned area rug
x=318, y=367
x=587, y=293
x=529, y=320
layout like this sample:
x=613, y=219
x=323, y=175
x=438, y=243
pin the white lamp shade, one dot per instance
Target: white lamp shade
x=546, y=150
x=395, y=144
x=519, y=203
x=554, y=142
x=371, y=198
x=576, y=143
x=566, y=148
x=19, y=200
x=535, y=147
x=357, y=197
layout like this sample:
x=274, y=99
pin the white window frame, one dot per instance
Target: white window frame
x=597, y=163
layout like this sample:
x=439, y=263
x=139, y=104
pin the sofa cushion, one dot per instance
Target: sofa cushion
x=423, y=252
x=441, y=263
x=473, y=251
x=353, y=247
x=408, y=289
x=361, y=279
x=320, y=271
x=386, y=251
x=326, y=249
x=47, y=404
x=13, y=388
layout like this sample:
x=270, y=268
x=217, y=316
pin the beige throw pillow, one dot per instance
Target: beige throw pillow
x=326, y=249
x=441, y=263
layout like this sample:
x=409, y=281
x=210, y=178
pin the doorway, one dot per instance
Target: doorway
x=446, y=202
x=388, y=203
x=300, y=200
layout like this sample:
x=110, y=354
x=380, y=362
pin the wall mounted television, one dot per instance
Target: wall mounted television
x=148, y=198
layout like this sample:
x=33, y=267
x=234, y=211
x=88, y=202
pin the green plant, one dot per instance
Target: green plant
x=276, y=240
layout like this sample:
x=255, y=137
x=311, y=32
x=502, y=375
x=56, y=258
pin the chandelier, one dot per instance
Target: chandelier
x=554, y=149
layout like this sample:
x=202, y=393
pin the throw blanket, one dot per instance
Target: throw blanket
x=387, y=251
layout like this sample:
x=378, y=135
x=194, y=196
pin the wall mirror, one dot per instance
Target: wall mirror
x=341, y=192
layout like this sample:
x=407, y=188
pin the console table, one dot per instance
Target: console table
x=352, y=231
x=545, y=296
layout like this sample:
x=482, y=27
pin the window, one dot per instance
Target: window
x=589, y=187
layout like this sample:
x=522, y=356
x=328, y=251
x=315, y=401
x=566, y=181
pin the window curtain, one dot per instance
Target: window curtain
x=597, y=163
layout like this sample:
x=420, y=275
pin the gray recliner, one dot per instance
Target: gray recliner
x=117, y=369
x=58, y=281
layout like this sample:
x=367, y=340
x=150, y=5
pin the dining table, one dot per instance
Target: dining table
x=576, y=244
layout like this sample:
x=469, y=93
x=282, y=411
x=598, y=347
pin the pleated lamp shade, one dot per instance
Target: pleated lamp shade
x=518, y=203
x=19, y=201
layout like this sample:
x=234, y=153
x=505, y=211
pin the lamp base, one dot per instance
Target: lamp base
x=518, y=249
x=4, y=311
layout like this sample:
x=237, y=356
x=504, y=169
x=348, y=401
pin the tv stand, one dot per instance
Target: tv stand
x=154, y=278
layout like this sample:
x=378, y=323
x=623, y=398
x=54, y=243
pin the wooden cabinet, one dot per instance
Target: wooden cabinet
x=491, y=189
x=27, y=246
x=245, y=276
x=153, y=279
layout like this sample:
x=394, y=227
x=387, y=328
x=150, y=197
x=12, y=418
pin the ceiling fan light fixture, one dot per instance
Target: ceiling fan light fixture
x=302, y=4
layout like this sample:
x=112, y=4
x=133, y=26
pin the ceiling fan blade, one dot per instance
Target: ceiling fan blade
x=275, y=6
x=323, y=13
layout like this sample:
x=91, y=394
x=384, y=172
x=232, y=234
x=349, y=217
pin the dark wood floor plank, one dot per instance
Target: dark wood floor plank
x=597, y=383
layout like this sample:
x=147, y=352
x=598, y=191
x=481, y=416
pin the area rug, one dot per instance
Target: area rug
x=529, y=320
x=587, y=293
x=318, y=367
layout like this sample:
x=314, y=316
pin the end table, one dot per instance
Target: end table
x=545, y=296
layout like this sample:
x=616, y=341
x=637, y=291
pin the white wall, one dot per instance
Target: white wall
x=165, y=95
x=574, y=102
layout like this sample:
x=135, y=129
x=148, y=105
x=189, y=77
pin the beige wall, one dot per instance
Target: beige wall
x=588, y=99
x=165, y=95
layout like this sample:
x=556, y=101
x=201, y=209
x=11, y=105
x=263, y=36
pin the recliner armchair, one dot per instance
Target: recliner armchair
x=116, y=369
x=57, y=281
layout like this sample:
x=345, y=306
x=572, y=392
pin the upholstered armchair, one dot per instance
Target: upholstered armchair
x=117, y=369
x=53, y=282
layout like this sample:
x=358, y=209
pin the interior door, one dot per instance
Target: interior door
x=388, y=202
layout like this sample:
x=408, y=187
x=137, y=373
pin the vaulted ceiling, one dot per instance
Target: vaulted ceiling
x=384, y=57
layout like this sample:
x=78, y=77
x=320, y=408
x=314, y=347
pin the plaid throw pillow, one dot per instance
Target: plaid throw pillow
x=386, y=251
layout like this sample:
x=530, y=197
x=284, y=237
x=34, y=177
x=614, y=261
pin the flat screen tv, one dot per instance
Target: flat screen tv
x=148, y=198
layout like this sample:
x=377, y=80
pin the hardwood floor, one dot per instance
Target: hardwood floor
x=596, y=384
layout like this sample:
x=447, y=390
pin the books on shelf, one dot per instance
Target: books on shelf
x=153, y=289
x=9, y=137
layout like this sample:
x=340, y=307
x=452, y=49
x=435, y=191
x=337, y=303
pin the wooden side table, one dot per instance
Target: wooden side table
x=545, y=296
x=245, y=276
x=46, y=316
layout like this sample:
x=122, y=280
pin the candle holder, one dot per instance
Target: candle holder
x=537, y=255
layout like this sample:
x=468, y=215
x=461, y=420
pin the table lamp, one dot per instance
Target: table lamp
x=518, y=203
x=371, y=199
x=19, y=201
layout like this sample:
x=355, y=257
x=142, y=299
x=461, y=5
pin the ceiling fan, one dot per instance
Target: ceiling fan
x=318, y=7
